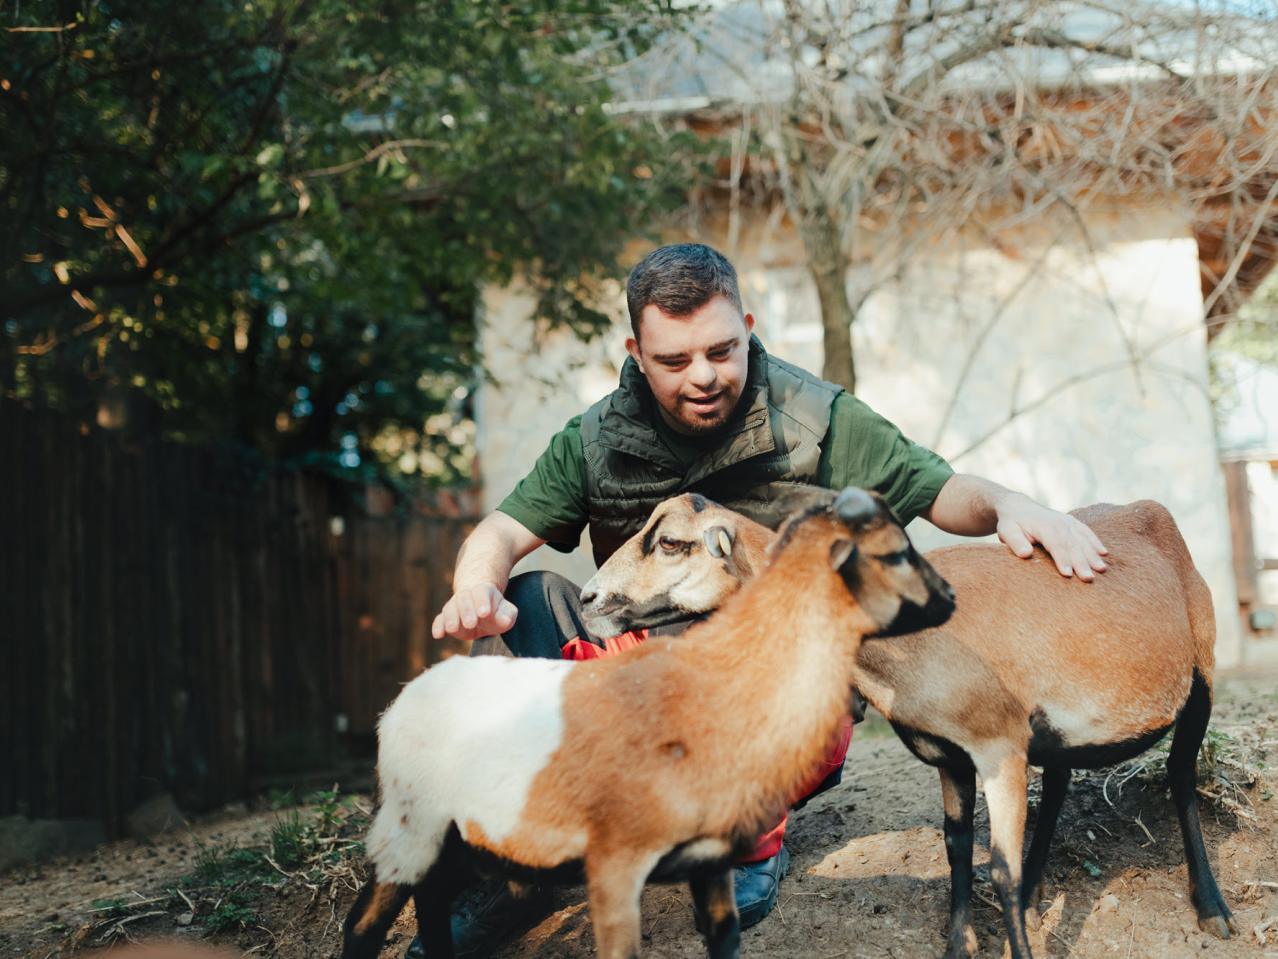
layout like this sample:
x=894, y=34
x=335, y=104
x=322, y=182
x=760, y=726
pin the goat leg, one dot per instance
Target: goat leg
x=613, y=886
x=1182, y=774
x=958, y=792
x=433, y=899
x=716, y=911
x=371, y=917
x=1055, y=786
x=1003, y=772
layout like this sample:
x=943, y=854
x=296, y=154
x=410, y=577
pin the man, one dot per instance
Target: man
x=701, y=406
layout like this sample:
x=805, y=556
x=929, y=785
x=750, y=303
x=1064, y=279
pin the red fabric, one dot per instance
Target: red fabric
x=833, y=758
x=579, y=649
x=769, y=844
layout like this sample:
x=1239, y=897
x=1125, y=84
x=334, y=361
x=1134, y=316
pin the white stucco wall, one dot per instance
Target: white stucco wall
x=1073, y=371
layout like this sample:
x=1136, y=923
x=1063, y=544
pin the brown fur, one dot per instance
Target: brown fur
x=386, y=897
x=725, y=781
x=1107, y=662
x=697, y=767
x=685, y=750
x=1023, y=634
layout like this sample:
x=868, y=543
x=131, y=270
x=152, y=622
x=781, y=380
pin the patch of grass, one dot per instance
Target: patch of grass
x=289, y=840
x=281, y=798
x=312, y=847
x=235, y=912
x=1228, y=767
x=228, y=864
x=331, y=809
x=111, y=908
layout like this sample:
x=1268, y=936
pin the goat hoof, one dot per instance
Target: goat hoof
x=1033, y=921
x=964, y=946
x=1222, y=927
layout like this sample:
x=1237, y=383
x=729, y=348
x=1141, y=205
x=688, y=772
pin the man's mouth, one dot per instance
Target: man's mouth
x=704, y=402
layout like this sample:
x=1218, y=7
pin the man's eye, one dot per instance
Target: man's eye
x=721, y=354
x=669, y=545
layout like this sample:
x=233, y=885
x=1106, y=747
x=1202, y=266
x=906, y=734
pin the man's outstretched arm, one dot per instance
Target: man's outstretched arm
x=477, y=607
x=970, y=506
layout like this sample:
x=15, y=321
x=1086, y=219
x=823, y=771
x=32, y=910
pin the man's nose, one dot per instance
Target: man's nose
x=701, y=373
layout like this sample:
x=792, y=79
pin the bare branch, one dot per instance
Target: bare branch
x=381, y=150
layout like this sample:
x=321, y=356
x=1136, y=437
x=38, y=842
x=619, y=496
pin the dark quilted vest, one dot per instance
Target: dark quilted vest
x=771, y=442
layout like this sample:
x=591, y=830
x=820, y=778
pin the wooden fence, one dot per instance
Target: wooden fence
x=192, y=620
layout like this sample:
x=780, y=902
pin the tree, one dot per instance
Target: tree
x=269, y=222
x=884, y=126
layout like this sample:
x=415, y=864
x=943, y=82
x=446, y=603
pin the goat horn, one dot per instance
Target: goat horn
x=725, y=541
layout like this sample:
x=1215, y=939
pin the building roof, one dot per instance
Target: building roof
x=736, y=52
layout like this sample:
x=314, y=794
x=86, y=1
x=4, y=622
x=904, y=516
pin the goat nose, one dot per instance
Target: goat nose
x=855, y=506
x=588, y=596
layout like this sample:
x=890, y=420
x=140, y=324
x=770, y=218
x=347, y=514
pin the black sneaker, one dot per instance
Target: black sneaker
x=492, y=914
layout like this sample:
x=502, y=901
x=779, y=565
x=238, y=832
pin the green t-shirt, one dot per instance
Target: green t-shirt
x=861, y=448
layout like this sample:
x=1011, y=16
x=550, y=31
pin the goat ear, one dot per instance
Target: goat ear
x=842, y=552
x=718, y=542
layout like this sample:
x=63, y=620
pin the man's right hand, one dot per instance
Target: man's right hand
x=475, y=612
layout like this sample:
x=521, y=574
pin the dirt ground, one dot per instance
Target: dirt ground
x=868, y=875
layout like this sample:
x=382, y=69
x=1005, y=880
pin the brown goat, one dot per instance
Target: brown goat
x=1032, y=668
x=644, y=765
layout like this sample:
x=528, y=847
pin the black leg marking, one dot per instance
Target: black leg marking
x=1009, y=894
x=371, y=917
x=1003, y=772
x=1055, y=786
x=958, y=790
x=716, y=914
x=433, y=899
x=1182, y=774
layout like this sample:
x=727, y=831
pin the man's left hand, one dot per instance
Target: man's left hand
x=1074, y=548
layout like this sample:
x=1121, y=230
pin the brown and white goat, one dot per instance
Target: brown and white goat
x=659, y=763
x=1032, y=668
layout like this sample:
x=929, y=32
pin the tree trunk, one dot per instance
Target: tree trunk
x=819, y=227
x=829, y=270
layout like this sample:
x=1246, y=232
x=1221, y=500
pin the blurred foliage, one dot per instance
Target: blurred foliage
x=270, y=221
x=1251, y=334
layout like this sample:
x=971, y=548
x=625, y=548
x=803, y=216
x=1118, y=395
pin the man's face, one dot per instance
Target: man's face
x=695, y=364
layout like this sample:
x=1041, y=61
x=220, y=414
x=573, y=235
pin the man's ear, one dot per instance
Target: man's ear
x=632, y=347
x=749, y=322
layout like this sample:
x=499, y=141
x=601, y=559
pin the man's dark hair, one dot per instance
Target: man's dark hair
x=679, y=279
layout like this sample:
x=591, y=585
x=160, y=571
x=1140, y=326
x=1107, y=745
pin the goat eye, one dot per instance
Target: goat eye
x=669, y=545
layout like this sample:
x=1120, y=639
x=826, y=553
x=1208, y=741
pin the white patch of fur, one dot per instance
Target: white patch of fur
x=1081, y=723
x=706, y=587
x=709, y=849
x=928, y=750
x=463, y=743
